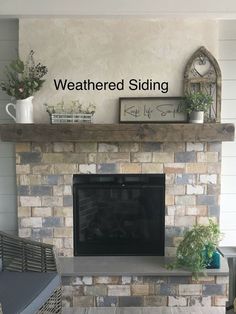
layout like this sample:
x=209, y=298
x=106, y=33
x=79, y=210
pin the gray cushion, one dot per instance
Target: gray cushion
x=26, y=292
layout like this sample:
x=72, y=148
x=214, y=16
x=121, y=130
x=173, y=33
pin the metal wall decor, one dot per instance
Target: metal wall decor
x=202, y=73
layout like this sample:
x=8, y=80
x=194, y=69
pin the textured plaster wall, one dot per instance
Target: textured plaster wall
x=112, y=49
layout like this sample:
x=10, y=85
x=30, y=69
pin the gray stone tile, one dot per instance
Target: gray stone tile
x=30, y=157
x=185, y=157
x=206, y=200
x=106, y=301
x=53, y=222
x=130, y=301
x=213, y=289
x=40, y=190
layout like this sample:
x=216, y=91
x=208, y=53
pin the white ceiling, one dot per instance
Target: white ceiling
x=148, y=8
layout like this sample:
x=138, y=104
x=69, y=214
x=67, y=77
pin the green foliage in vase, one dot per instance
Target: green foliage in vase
x=197, y=247
x=23, y=79
x=196, y=102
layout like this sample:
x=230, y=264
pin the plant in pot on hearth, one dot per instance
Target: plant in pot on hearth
x=23, y=80
x=195, y=105
x=198, y=249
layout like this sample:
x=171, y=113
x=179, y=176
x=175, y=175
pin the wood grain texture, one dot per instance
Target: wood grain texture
x=213, y=132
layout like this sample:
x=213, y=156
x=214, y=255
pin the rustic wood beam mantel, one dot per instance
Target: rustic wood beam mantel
x=212, y=132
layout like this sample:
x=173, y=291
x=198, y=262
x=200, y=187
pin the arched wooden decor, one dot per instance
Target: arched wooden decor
x=202, y=73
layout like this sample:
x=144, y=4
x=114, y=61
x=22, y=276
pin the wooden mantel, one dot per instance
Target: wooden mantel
x=212, y=132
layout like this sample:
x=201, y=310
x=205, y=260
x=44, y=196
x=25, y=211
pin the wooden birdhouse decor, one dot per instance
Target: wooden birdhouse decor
x=202, y=74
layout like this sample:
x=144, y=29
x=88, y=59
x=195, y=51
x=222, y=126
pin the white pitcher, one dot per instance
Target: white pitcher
x=24, y=110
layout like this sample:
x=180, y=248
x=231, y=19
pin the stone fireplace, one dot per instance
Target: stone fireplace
x=189, y=156
x=45, y=172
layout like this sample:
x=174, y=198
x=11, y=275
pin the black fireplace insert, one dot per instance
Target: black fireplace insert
x=119, y=214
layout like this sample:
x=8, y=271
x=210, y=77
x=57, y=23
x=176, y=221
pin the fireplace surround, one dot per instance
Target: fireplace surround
x=119, y=214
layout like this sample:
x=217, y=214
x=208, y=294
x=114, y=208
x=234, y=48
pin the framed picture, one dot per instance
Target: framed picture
x=151, y=110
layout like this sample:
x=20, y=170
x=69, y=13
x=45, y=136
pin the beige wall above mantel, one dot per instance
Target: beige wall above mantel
x=212, y=132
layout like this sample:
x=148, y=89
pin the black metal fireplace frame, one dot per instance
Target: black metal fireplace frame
x=119, y=181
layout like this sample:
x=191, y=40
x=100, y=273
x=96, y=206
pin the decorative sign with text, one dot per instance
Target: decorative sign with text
x=151, y=109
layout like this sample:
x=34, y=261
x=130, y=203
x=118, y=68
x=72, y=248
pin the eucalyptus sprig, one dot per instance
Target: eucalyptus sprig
x=23, y=79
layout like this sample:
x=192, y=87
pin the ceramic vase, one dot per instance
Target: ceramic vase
x=23, y=110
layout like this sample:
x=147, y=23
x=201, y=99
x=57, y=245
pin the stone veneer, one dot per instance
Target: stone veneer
x=45, y=212
x=44, y=180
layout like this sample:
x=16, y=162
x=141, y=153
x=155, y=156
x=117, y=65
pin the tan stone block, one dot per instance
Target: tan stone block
x=130, y=168
x=220, y=301
x=152, y=168
x=25, y=232
x=155, y=300
x=65, y=252
x=114, y=280
x=174, y=147
x=196, y=167
x=169, y=199
x=203, y=279
x=32, y=222
x=200, y=210
x=107, y=147
x=113, y=157
x=50, y=201
x=177, y=301
x=85, y=147
x=185, y=200
x=65, y=168
x=195, y=189
x=141, y=157
x=68, y=222
x=23, y=147
x=126, y=280
x=163, y=157
x=18, y=159
x=214, y=168
x=28, y=201
x=35, y=179
x=196, y=147
x=92, y=158
x=207, y=157
x=87, y=168
x=170, y=251
x=174, y=168
x=63, y=211
x=68, y=243
x=208, y=178
x=67, y=190
x=119, y=290
x=41, y=211
x=65, y=232
x=200, y=301
x=24, y=211
x=68, y=179
x=185, y=221
x=169, y=221
x=58, y=190
x=80, y=158
x=129, y=147
x=42, y=147
x=52, y=158
x=63, y=147
x=177, y=240
x=23, y=179
x=205, y=220
x=170, y=178
x=222, y=280
x=83, y=301
x=178, y=210
x=22, y=169
x=175, y=189
x=140, y=289
x=190, y=289
x=43, y=169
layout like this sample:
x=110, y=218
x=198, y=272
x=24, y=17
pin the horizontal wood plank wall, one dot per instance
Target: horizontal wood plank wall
x=227, y=61
x=8, y=52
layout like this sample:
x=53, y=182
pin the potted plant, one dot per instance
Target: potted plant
x=195, y=105
x=23, y=80
x=198, y=249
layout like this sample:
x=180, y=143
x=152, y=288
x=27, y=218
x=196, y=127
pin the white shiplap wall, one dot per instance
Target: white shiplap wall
x=8, y=51
x=227, y=61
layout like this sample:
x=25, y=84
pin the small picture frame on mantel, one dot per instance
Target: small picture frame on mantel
x=151, y=110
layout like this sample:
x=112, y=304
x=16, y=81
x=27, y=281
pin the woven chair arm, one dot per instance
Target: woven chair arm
x=22, y=255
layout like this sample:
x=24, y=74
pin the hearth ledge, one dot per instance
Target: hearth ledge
x=127, y=266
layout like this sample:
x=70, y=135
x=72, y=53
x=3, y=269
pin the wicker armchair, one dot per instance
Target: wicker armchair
x=31, y=257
